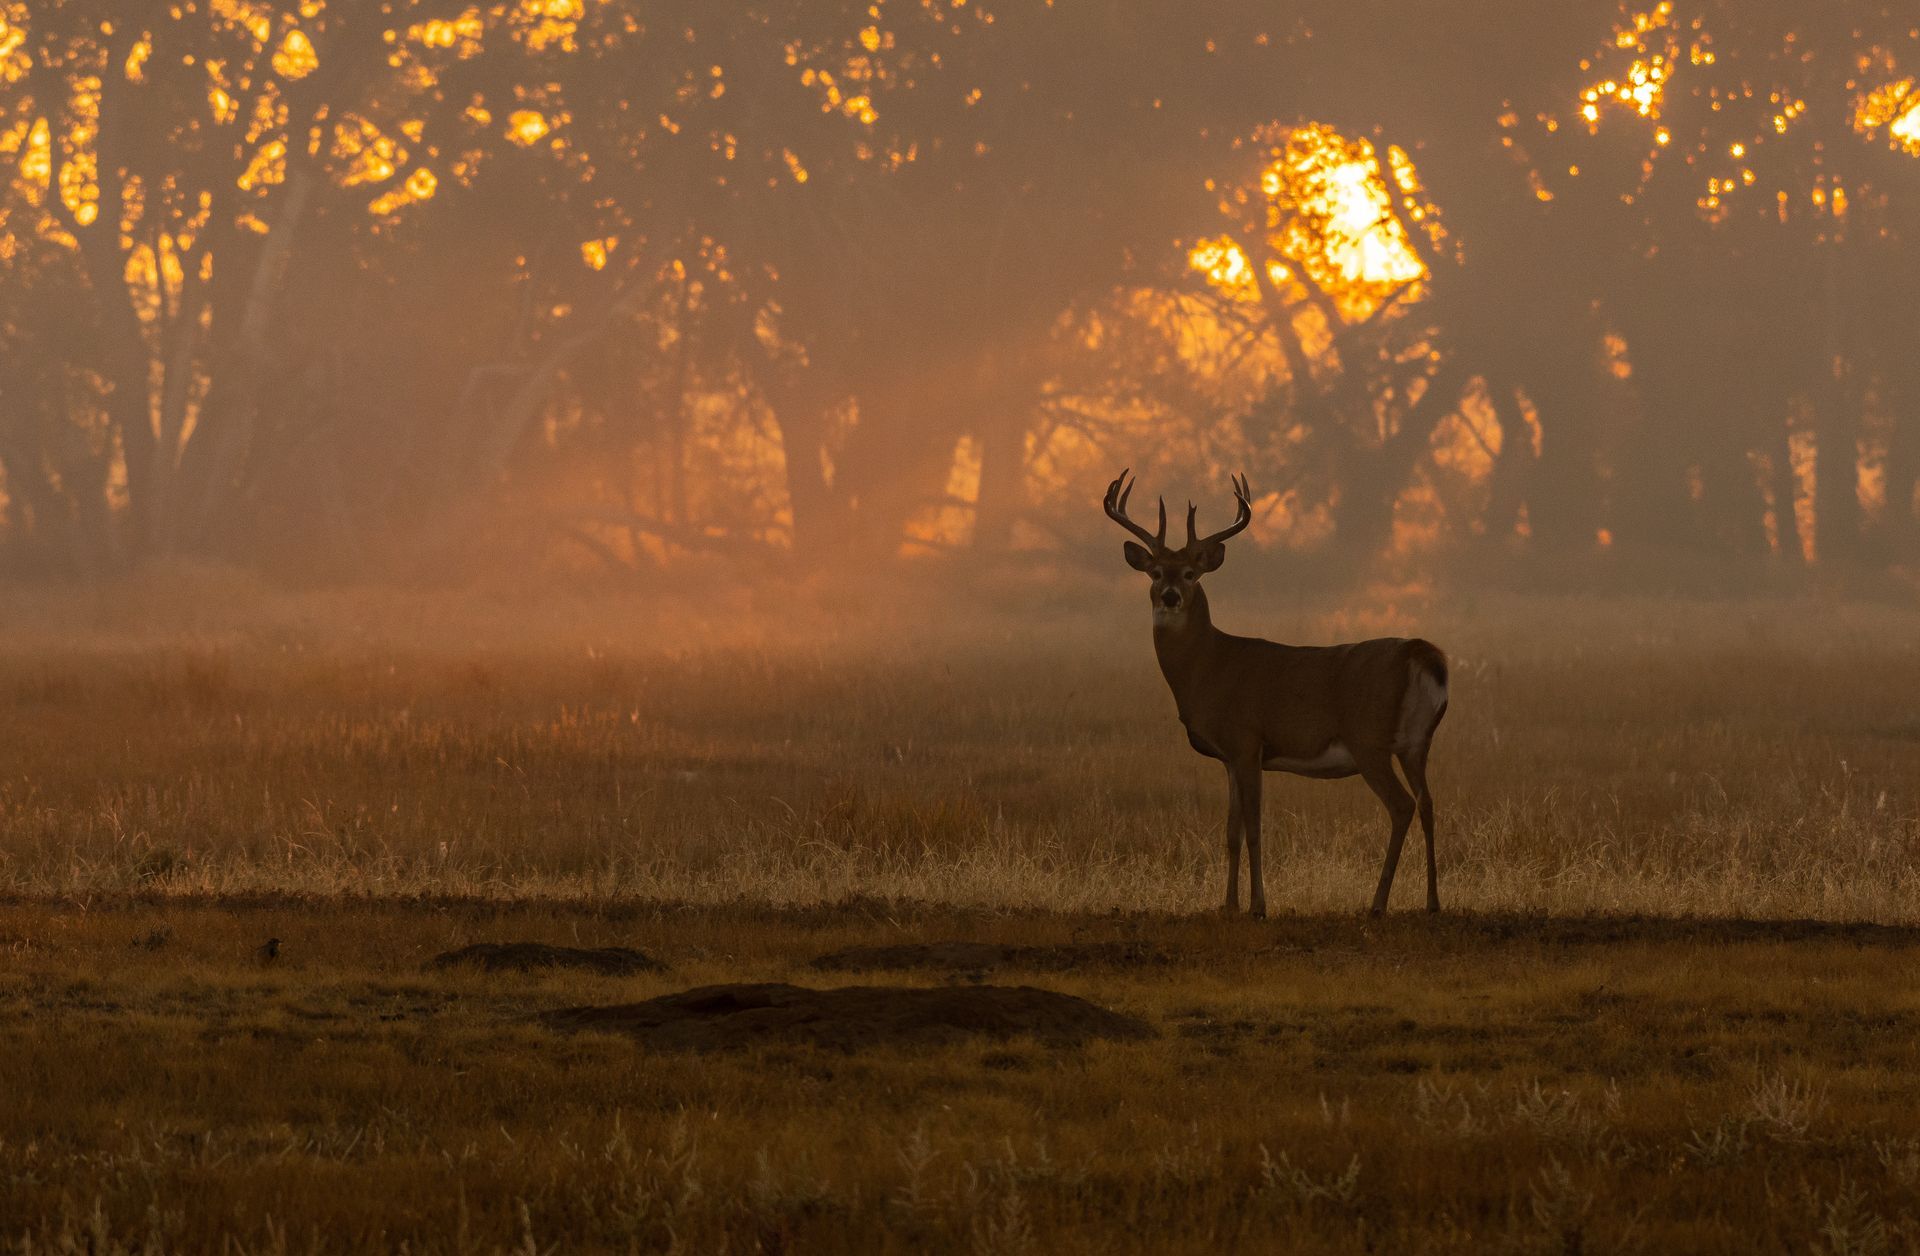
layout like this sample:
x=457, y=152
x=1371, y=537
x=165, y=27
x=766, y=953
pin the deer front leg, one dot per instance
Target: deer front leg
x=1233, y=842
x=1248, y=781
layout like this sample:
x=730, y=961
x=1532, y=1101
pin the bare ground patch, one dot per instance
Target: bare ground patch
x=964, y=957
x=614, y=961
x=850, y=1018
x=1599, y=1083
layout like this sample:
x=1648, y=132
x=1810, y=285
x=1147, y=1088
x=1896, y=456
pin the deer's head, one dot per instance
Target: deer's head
x=1175, y=572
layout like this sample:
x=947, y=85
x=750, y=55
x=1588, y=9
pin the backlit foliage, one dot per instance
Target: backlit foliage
x=249, y=56
x=1655, y=47
x=15, y=61
x=1226, y=266
x=1892, y=110
x=1748, y=137
x=1328, y=216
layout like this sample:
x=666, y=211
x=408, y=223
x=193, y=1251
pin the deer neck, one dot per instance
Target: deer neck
x=1180, y=646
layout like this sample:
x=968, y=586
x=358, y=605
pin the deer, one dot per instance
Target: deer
x=1323, y=712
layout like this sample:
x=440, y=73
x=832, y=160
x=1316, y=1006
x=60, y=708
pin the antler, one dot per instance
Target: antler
x=1116, y=507
x=1243, y=515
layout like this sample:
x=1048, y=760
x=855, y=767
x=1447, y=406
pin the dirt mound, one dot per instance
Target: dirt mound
x=718, y=1018
x=981, y=956
x=616, y=961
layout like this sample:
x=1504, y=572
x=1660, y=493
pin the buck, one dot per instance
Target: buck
x=1257, y=706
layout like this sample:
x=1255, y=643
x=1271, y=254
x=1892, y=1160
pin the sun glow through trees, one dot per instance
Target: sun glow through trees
x=1321, y=227
x=1327, y=215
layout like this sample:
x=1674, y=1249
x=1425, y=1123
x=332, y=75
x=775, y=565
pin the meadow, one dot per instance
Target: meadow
x=1667, y=1006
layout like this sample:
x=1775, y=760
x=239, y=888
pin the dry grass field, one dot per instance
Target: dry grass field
x=1617, y=1037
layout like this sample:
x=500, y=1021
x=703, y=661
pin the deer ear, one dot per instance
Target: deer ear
x=1211, y=557
x=1137, y=556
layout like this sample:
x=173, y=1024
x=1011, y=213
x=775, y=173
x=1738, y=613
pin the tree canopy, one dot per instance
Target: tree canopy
x=332, y=287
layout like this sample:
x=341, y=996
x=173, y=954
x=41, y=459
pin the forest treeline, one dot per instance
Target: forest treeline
x=358, y=289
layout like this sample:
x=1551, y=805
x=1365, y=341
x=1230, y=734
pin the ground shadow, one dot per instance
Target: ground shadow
x=724, y=1017
x=614, y=961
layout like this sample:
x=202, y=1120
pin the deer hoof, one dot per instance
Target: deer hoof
x=1258, y=911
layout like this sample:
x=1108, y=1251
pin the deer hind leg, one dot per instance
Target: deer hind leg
x=1233, y=841
x=1414, y=764
x=1376, y=768
x=1247, y=781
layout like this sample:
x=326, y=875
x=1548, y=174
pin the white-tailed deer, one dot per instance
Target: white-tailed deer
x=1258, y=706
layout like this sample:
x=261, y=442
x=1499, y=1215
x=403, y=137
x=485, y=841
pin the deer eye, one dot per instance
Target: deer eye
x=1157, y=573
x=1188, y=573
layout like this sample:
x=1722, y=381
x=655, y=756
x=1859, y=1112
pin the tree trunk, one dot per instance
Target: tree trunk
x=1732, y=505
x=1563, y=499
x=895, y=463
x=1900, y=529
x=1374, y=478
x=1005, y=415
x=1836, y=468
x=802, y=414
x=1786, y=498
x=1653, y=510
x=1003, y=485
x=213, y=465
x=1515, y=469
x=42, y=535
x=1836, y=473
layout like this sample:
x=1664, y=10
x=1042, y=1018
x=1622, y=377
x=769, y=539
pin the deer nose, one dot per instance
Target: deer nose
x=1170, y=598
